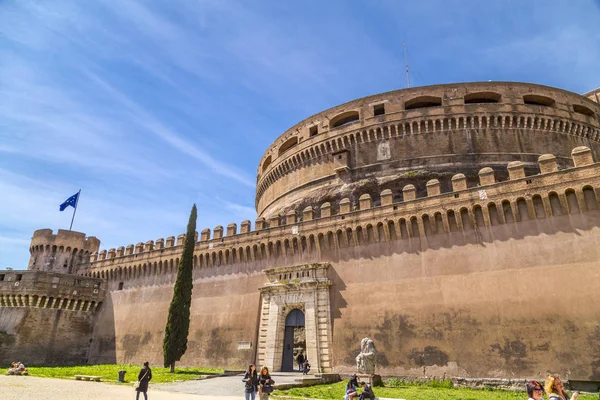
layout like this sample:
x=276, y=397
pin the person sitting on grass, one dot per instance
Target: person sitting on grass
x=535, y=391
x=13, y=367
x=555, y=389
x=367, y=392
x=17, y=369
x=351, y=388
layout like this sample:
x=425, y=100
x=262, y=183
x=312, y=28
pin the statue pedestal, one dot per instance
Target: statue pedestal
x=373, y=380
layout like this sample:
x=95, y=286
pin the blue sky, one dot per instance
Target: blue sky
x=150, y=106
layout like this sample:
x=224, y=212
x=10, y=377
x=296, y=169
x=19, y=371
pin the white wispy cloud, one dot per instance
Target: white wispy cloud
x=172, y=138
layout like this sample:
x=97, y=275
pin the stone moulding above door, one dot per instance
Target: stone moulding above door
x=305, y=287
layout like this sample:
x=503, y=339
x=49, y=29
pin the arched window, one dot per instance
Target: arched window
x=266, y=163
x=536, y=100
x=344, y=119
x=288, y=144
x=493, y=212
x=507, y=211
x=555, y=204
x=426, y=224
x=590, y=198
x=392, y=229
x=403, y=229
x=478, y=212
x=464, y=218
x=482, y=97
x=583, y=110
x=572, y=201
x=414, y=227
x=522, y=207
x=340, y=239
x=381, y=232
x=423, y=102
x=538, y=206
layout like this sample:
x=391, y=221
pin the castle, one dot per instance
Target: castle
x=456, y=225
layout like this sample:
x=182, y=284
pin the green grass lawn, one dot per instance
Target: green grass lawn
x=109, y=372
x=410, y=392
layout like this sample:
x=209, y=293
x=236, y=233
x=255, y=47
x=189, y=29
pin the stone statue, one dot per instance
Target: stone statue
x=365, y=361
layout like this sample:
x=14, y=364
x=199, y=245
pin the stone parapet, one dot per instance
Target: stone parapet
x=50, y=290
x=523, y=197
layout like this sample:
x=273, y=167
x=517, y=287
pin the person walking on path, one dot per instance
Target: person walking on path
x=265, y=384
x=300, y=361
x=144, y=377
x=251, y=382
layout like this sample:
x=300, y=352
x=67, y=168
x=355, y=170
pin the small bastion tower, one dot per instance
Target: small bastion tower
x=64, y=252
x=47, y=312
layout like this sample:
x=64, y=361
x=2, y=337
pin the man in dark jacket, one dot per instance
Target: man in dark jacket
x=367, y=392
x=300, y=361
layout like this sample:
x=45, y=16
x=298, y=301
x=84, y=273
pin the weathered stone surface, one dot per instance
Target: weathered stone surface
x=482, y=281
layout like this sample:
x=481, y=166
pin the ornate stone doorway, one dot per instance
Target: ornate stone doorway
x=298, y=290
x=293, y=320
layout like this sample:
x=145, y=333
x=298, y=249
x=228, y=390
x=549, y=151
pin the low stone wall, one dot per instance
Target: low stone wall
x=491, y=383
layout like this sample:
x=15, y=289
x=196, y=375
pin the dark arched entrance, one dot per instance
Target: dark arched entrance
x=294, y=319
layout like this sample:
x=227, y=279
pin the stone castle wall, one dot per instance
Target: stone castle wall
x=498, y=301
x=431, y=219
x=224, y=311
x=461, y=283
x=47, y=318
x=414, y=135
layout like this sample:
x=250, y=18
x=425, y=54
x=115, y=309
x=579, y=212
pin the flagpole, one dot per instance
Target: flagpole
x=75, y=209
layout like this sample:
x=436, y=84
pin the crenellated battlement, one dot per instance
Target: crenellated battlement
x=312, y=232
x=63, y=252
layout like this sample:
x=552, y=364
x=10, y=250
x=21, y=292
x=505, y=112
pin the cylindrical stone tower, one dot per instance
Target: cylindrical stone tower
x=66, y=252
x=411, y=136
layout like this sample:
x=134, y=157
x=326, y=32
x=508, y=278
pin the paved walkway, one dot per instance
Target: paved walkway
x=28, y=387
x=222, y=386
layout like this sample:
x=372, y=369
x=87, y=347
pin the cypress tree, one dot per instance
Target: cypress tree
x=178, y=323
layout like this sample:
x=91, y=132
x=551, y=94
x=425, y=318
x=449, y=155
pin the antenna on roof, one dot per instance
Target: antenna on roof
x=406, y=59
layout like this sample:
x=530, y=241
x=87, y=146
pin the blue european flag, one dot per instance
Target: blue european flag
x=71, y=201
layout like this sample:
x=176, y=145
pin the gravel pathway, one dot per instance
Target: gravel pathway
x=28, y=387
